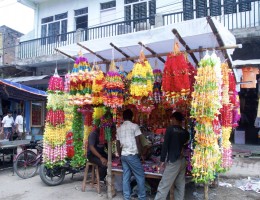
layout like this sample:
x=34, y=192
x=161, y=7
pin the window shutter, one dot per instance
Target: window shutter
x=152, y=11
x=215, y=7
x=128, y=14
x=201, y=8
x=43, y=34
x=230, y=6
x=188, y=9
x=64, y=30
x=244, y=5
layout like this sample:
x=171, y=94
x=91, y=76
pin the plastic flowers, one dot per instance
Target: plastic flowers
x=142, y=79
x=80, y=83
x=175, y=80
x=113, y=88
x=54, y=146
x=205, y=108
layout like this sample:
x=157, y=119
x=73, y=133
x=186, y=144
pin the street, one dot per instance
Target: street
x=14, y=188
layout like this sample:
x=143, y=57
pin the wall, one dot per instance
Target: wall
x=9, y=39
x=50, y=8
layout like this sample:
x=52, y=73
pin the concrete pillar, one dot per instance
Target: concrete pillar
x=158, y=20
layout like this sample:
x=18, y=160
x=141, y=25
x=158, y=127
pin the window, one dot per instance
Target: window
x=244, y=5
x=136, y=9
x=55, y=28
x=81, y=11
x=215, y=7
x=37, y=109
x=107, y=5
x=81, y=18
x=188, y=9
x=230, y=6
x=201, y=8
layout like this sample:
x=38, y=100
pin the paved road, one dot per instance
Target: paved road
x=15, y=188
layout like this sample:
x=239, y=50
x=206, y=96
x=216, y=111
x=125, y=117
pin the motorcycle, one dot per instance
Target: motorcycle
x=55, y=176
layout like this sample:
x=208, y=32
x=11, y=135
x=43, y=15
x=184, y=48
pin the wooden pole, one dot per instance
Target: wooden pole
x=206, y=191
x=109, y=171
x=61, y=52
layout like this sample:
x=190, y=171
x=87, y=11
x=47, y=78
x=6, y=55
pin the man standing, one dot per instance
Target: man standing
x=8, y=122
x=19, y=125
x=174, y=140
x=129, y=149
x=96, y=153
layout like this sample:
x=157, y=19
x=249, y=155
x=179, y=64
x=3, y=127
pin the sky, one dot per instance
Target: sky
x=16, y=16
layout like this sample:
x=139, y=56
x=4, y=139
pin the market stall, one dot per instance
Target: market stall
x=172, y=83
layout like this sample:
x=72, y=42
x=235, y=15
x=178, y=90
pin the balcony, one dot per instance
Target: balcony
x=46, y=46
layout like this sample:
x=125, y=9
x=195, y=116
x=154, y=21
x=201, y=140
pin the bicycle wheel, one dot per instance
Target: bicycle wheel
x=25, y=165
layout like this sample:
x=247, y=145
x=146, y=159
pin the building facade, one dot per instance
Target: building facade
x=63, y=22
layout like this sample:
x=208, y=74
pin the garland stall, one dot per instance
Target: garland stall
x=54, y=139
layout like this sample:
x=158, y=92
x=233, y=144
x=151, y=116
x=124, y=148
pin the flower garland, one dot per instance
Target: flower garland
x=175, y=80
x=78, y=159
x=106, y=124
x=142, y=79
x=113, y=89
x=80, y=83
x=97, y=88
x=54, y=146
x=157, y=93
x=204, y=108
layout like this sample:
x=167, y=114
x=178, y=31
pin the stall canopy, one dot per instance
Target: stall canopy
x=11, y=90
x=198, y=33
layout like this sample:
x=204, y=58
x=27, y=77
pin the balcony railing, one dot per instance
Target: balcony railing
x=45, y=46
x=235, y=20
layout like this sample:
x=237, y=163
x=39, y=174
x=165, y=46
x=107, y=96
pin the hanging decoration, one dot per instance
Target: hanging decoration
x=79, y=159
x=113, y=88
x=142, y=79
x=80, y=83
x=97, y=88
x=234, y=99
x=226, y=119
x=205, y=108
x=157, y=92
x=106, y=125
x=54, y=139
x=175, y=80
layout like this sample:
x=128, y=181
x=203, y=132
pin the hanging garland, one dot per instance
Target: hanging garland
x=78, y=159
x=176, y=80
x=97, y=88
x=142, y=79
x=54, y=139
x=80, y=83
x=157, y=93
x=205, y=107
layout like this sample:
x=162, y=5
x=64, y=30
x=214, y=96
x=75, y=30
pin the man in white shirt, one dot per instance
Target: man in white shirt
x=8, y=122
x=129, y=150
x=19, y=125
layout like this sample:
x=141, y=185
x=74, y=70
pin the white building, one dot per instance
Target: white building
x=64, y=22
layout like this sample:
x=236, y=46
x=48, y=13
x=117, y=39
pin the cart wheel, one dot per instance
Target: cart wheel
x=25, y=165
x=53, y=176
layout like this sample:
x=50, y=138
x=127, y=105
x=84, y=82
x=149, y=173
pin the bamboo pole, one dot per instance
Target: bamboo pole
x=206, y=191
x=109, y=171
x=160, y=54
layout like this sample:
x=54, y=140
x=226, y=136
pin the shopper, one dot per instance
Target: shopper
x=19, y=125
x=129, y=150
x=96, y=153
x=172, y=158
x=8, y=122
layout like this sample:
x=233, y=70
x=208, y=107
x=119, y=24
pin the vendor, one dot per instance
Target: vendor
x=7, y=123
x=96, y=153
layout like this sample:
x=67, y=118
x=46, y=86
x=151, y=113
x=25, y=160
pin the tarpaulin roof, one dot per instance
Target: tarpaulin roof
x=196, y=33
x=26, y=78
x=18, y=91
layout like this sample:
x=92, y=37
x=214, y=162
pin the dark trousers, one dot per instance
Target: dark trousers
x=102, y=169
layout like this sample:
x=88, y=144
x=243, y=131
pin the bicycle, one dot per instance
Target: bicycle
x=27, y=162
